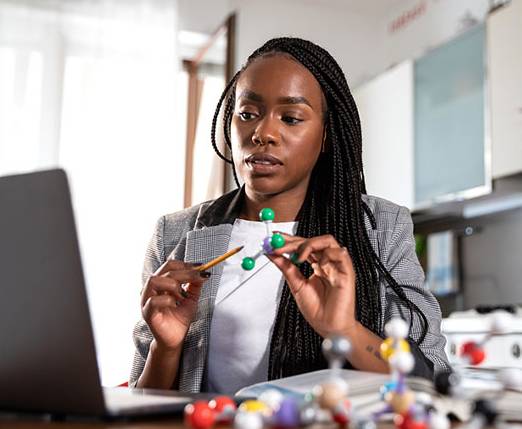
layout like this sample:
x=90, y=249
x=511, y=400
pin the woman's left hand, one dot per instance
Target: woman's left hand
x=327, y=298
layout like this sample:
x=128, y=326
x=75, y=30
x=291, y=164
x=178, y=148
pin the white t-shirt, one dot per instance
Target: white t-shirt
x=244, y=312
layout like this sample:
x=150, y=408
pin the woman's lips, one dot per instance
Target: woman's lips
x=263, y=163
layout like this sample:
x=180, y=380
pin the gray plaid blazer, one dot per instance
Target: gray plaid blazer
x=202, y=232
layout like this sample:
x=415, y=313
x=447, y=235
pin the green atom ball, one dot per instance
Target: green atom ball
x=248, y=263
x=294, y=259
x=267, y=214
x=277, y=241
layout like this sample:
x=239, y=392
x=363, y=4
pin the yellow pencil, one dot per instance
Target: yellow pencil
x=219, y=259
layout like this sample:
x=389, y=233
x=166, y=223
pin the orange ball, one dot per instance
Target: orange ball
x=329, y=395
x=400, y=402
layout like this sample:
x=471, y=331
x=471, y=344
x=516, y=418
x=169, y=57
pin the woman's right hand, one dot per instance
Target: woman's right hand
x=169, y=302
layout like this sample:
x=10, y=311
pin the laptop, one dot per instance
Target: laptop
x=47, y=351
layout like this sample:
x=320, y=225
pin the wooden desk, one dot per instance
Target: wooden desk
x=34, y=423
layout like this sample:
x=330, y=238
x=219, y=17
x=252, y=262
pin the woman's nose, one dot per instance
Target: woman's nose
x=266, y=132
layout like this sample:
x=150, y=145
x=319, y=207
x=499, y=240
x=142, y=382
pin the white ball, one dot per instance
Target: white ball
x=501, y=322
x=511, y=378
x=245, y=420
x=396, y=328
x=272, y=398
x=402, y=362
x=424, y=399
x=341, y=384
x=439, y=421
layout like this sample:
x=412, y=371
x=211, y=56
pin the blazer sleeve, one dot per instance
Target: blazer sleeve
x=403, y=264
x=142, y=336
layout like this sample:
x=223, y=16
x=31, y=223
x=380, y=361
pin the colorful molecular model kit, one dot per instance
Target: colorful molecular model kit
x=271, y=242
x=329, y=403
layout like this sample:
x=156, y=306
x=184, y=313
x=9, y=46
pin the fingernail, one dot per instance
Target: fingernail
x=205, y=274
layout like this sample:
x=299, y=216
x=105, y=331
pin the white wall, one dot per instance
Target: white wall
x=347, y=35
x=437, y=22
x=362, y=42
x=203, y=16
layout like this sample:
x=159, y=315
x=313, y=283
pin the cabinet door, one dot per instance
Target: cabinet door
x=504, y=39
x=386, y=109
x=450, y=134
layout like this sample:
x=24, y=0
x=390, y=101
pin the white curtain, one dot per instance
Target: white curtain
x=92, y=86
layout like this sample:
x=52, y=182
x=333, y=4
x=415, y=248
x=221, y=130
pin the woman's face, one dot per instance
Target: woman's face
x=277, y=125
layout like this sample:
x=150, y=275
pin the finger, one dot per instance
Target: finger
x=336, y=267
x=157, y=304
x=192, y=291
x=306, y=296
x=337, y=258
x=291, y=245
x=157, y=285
x=186, y=276
x=161, y=285
x=293, y=276
x=316, y=246
x=318, y=270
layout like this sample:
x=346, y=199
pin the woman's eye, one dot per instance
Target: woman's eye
x=291, y=120
x=246, y=116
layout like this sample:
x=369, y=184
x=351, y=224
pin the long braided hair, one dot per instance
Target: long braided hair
x=333, y=205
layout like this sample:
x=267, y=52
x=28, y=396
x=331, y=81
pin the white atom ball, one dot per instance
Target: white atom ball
x=439, y=421
x=245, y=420
x=272, y=398
x=396, y=328
x=402, y=362
x=501, y=322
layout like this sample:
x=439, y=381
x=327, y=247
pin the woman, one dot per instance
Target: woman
x=295, y=138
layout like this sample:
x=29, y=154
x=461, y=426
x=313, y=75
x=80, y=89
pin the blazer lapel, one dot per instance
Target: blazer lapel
x=202, y=246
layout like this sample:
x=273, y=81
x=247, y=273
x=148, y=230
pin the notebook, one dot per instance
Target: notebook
x=48, y=357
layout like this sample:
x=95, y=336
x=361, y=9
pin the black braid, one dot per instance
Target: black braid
x=333, y=205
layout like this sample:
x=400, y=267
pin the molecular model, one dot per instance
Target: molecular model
x=472, y=353
x=270, y=242
x=410, y=411
x=329, y=403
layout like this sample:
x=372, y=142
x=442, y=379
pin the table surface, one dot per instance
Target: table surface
x=27, y=422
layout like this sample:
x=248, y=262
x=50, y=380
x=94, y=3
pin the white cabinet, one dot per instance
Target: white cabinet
x=386, y=109
x=504, y=41
x=451, y=151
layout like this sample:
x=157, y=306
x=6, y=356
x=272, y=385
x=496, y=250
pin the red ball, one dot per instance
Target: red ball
x=473, y=352
x=341, y=418
x=405, y=421
x=341, y=412
x=219, y=403
x=225, y=407
x=199, y=415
